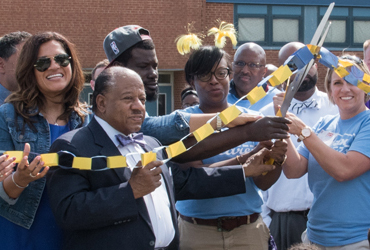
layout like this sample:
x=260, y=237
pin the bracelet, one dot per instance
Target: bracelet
x=18, y=186
x=218, y=123
x=237, y=159
x=280, y=163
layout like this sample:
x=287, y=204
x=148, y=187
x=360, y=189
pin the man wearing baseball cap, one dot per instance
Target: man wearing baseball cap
x=132, y=47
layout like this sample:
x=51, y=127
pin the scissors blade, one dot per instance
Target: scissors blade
x=302, y=73
x=322, y=25
x=294, y=86
x=324, y=35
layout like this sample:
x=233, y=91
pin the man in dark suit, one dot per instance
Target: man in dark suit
x=133, y=207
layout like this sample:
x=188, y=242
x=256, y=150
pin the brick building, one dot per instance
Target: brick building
x=271, y=24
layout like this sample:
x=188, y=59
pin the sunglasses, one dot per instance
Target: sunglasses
x=43, y=63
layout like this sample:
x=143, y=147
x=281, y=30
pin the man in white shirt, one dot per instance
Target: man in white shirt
x=133, y=207
x=287, y=202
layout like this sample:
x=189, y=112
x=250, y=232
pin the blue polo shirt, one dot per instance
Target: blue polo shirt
x=267, y=99
x=236, y=205
x=340, y=213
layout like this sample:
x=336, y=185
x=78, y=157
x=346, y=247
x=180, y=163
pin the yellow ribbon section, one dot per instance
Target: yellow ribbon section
x=17, y=154
x=82, y=163
x=280, y=75
x=269, y=162
x=229, y=114
x=364, y=87
x=203, y=132
x=51, y=159
x=314, y=49
x=148, y=157
x=175, y=149
x=118, y=161
x=345, y=64
x=341, y=72
x=366, y=78
x=256, y=94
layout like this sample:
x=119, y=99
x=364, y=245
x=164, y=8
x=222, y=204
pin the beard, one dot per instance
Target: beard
x=152, y=96
x=308, y=83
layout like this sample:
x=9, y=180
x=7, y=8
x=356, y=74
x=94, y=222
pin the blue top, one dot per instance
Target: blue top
x=27, y=222
x=3, y=94
x=44, y=232
x=236, y=205
x=232, y=98
x=56, y=131
x=340, y=213
x=368, y=104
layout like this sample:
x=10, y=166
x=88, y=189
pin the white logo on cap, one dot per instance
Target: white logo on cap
x=114, y=47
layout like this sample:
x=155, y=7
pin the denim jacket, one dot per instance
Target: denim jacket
x=168, y=128
x=22, y=210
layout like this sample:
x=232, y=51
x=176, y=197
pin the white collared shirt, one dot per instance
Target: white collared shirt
x=294, y=194
x=157, y=202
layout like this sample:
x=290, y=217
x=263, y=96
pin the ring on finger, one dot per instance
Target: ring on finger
x=33, y=176
x=1, y=175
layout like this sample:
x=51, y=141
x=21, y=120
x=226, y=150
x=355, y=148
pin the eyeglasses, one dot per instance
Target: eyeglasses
x=252, y=66
x=220, y=74
x=187, y=105
x=43, y=63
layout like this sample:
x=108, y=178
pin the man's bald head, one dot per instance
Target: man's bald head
x=107, y=79
x=307, y=87
x=249, y=67
x=287, y=50
x=251, y=47
x=122, y=102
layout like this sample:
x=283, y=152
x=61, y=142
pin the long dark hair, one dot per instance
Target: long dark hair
x=28, y=97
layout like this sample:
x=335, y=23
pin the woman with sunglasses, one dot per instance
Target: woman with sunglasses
x=336, y=155
x=44, y=107
x=234, y=220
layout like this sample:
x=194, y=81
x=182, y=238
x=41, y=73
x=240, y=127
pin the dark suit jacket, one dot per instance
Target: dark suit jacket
x=97, y=209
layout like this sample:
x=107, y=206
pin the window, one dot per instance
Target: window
x=268, y=25
x=251, y=29
x=164, y=104
x=361, y=31
x=161, y=104
x=349, y=28
x=285, y=30
x=276, y=24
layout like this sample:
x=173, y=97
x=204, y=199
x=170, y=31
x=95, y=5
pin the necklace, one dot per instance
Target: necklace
x=55, y=123
x=48, y=118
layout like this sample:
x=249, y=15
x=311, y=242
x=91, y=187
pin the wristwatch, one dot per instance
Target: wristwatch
x=218, y=123
x=306, y=132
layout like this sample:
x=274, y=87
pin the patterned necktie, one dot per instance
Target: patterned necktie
x=125, y=140
x=297, y=108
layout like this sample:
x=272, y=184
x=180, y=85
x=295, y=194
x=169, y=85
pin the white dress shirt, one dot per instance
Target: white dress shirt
x=294, y=194
x=157, y=202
